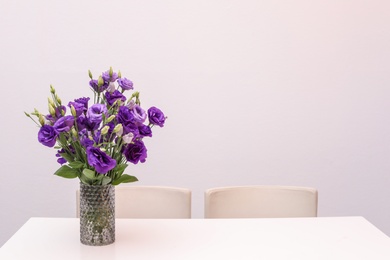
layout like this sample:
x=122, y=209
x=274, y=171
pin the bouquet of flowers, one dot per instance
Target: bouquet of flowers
x=96, y=141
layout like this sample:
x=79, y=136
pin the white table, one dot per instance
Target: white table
x=346, y=238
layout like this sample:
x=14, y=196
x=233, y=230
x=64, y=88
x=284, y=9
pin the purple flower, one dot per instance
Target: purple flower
x=95, y=85
x=100, y=160
x=145, y=130
x=96, y=137
x=84, y=123
x=139, y=114
x=130, y=128
x=47, y=135
x=106, y=76
x=125, y=83
x=156, y=116
x=64, y=124
x=60, y=159
x=86, y=142
x=114, y=96
x=95, y=113
x=135, y=152
x=126, y=118
x=84, y=101
x=81, y=123
x=79, y=107
x=125, y=115
x=84, y=139
x=51, y=119
x=60, y=111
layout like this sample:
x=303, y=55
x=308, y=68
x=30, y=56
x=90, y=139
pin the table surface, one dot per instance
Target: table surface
x=284, y=238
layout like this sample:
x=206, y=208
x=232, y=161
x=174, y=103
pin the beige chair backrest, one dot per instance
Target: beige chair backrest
x=261, y=202
x=149, y=202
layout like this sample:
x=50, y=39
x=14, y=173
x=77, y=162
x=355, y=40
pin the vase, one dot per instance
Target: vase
x=97, y=214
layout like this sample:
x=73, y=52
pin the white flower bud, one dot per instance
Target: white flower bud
x=104, y=130
x=74, y=132
x=100, y=81
x=112, y=117
x=52, y=111
x=127, y=138
x=73, y=111
x=111, y=87
x=130, y=103
x=118, y=129
x=41, y=120
x=58, y=99
x=51, y=102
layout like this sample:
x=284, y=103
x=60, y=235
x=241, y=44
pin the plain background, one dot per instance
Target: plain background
x=256, y=92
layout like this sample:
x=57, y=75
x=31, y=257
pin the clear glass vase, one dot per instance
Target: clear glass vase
x=97, y=214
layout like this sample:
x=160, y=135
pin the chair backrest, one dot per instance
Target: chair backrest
x=261, y=202
x=149, y=202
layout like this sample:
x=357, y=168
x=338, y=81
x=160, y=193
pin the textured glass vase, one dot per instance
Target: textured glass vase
x=97, y=215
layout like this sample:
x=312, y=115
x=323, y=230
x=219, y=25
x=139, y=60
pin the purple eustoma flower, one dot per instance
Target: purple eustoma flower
x=130, y=128
x=95, y=113
x=81, y=123
x=86, y=142
x=106, y=76
x=100, y=160
x=139, y=114
x=95, y=85
x=125, y=115
x=60, y=111
x=84, y=123
x=84, y=101
x=96, y=137
x=84, y=139
x=78, y=107
x=156, y=116
x=145, y=130
x=60, y=159
x=126, y=118
x=51, y=119
x=125, y=83
x=64, y=124
x=47, y=135
x=135, y=152
x=114, y=96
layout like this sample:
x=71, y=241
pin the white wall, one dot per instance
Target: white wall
x=257, y=92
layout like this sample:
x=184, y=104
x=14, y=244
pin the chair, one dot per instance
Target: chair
x=149, y=202
x=261, y=202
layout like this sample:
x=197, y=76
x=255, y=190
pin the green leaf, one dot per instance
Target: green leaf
x=89, y=174
x=62, y=139
x=120, y=168
x=66, y=172
x=124, y=179
x=76, y=165
x=106, y=180
x=67, y=157
x=84, y=180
